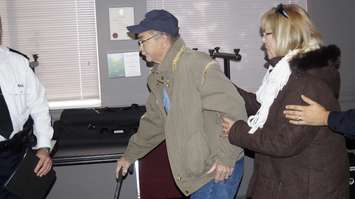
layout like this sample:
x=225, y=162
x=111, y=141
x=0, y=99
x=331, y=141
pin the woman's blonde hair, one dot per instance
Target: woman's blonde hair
x=291, y=28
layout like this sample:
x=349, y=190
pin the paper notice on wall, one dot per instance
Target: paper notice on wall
x=132, y=64
x=123, y=65
x=120, y=18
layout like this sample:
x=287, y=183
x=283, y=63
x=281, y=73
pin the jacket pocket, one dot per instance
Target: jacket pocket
x=12, y=89
x=196, y=151
x=17, y=96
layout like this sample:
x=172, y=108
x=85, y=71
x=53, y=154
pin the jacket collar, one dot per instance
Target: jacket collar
x=322, y=57
x=271, y=62
x=171, y=57
x=322, y=63
x=319, y=58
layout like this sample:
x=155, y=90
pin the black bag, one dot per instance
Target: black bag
x=97, y=126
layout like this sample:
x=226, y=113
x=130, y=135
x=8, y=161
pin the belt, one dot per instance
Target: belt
x=4, y=145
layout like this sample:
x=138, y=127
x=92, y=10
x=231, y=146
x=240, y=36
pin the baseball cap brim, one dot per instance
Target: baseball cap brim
x=159, y=20
x=137, y=29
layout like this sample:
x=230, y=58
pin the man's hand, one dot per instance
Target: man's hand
x=44, y=164
x=221, y=171
x=123, y=164
x=314, y=114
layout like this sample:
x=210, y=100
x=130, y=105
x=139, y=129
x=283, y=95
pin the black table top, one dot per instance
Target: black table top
x=76, y=152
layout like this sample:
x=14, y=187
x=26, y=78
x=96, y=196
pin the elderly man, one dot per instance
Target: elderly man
x=21, y=95
x=188, y=94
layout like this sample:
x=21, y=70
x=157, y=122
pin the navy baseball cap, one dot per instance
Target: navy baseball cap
x=159, y=20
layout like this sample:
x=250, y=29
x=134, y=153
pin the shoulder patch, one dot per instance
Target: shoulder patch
x=19, y=53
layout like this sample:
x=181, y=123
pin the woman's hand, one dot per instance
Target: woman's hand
x=312, y=114
x=227, y=124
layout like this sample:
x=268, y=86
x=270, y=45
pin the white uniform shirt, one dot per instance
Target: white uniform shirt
x=24, y=96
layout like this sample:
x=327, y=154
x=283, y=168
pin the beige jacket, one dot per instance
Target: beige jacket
x=199, y=93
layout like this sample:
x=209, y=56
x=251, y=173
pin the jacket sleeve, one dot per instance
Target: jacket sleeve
x=251, y=105
x=36, y=101
x=149, y=134
x=219, y=95
x=343, y=122
x=283, y=139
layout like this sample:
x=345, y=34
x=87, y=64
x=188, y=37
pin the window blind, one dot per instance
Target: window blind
x=63, y=34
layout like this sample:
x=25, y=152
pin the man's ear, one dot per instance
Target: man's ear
x=166, y=40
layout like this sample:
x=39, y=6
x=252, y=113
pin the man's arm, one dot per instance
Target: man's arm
x=148, y=136
x=316, y=115
x=219, y=94
x=37, y=102
x=343, y=122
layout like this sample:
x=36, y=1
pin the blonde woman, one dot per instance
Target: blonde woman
x=291, y=161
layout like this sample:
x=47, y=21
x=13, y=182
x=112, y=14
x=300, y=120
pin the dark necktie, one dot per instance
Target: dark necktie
x=5, y=119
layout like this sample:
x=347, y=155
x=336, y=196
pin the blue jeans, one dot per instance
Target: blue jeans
x=222, y=190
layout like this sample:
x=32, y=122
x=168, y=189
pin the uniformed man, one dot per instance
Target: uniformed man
x=21, y=96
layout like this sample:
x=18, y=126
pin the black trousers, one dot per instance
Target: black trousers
x=9, y=159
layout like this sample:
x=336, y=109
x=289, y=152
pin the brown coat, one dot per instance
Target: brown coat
x=298, y=162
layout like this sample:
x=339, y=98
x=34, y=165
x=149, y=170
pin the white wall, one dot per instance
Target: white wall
x=336, y=21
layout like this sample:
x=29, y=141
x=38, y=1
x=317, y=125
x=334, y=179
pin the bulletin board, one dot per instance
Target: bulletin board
x=119, y=87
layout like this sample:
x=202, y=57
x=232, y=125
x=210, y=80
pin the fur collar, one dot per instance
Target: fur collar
x=319, y=58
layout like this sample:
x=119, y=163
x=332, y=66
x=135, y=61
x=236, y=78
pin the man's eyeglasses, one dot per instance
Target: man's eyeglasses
x=264, y=34
x=141, y=42
x=281, y=11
